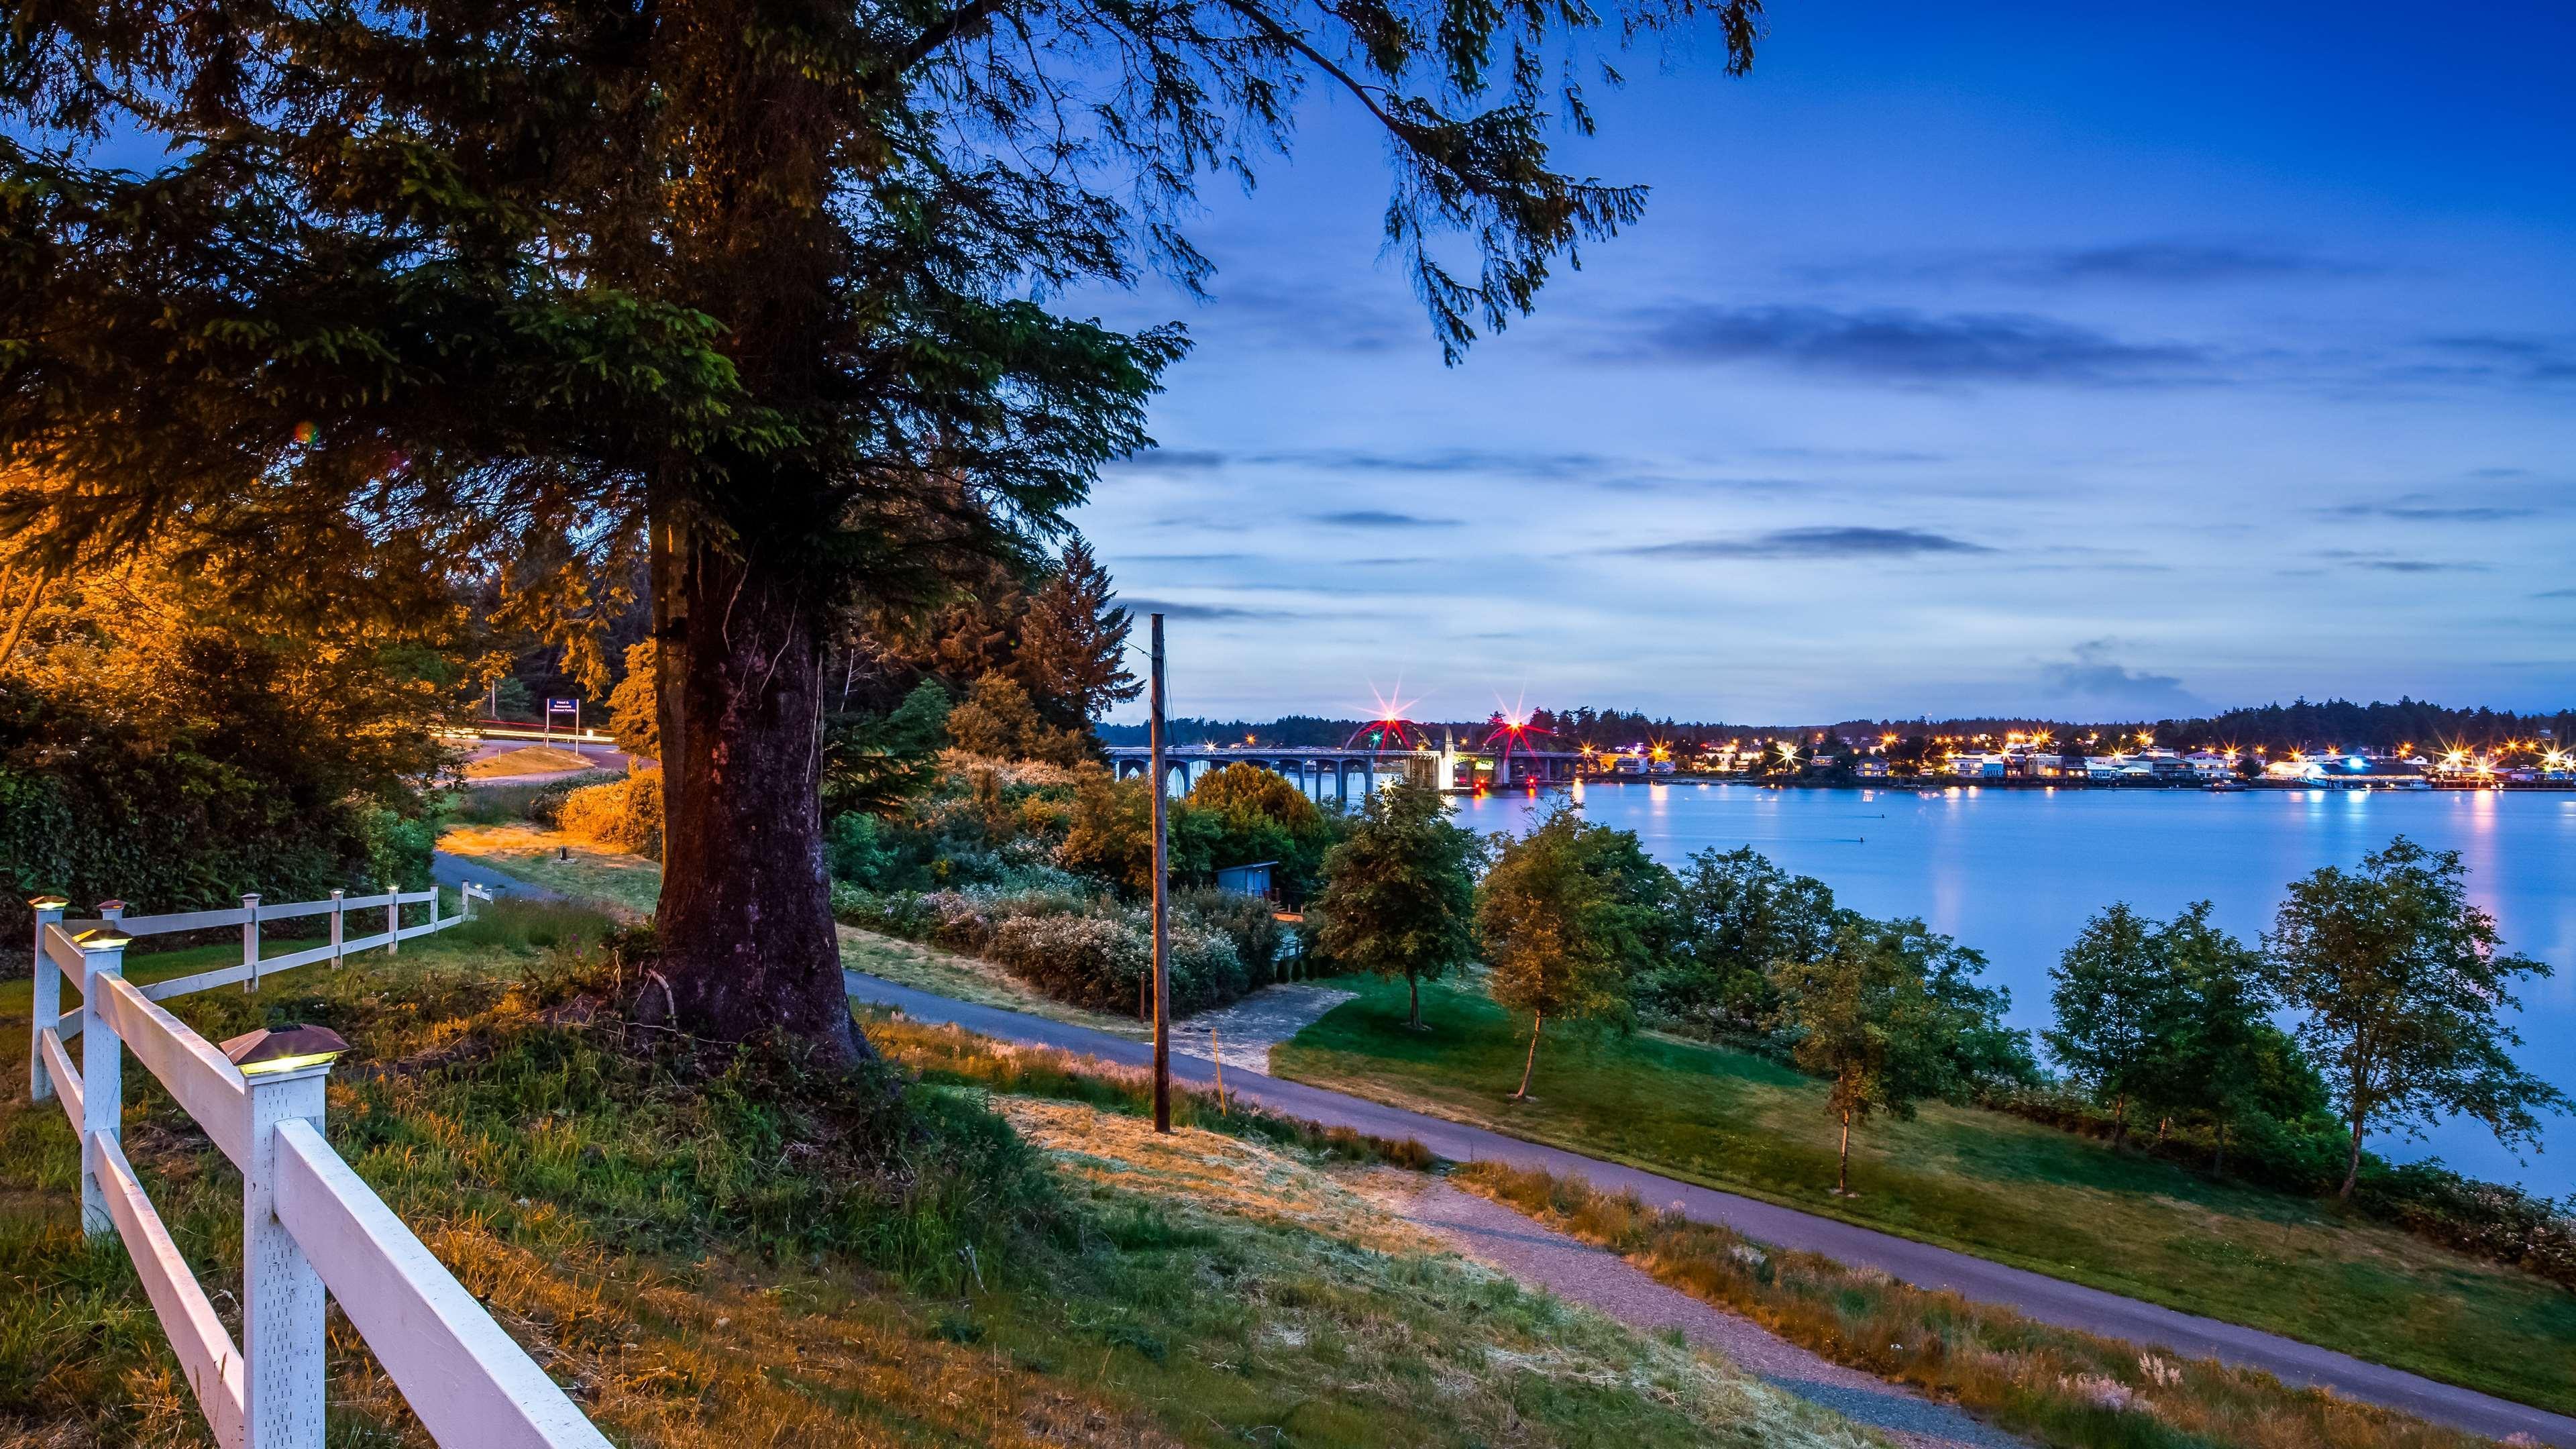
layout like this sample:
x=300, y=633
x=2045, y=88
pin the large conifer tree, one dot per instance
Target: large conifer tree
x=753, y=287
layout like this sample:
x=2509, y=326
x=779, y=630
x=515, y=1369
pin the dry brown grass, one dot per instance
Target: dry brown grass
x=2055, y=1386
x=534, y=760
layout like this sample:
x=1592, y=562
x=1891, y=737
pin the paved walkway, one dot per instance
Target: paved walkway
x=1247, y=1030
x=456, y=870
x=1578, y=1272
x=2049, y=1300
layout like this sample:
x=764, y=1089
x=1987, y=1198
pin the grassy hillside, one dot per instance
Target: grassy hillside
x=715, y=1248
x=1981, y=1182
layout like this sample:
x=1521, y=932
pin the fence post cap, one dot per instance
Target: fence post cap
x=286, y=1049
x=104, y=937
x=111, y=905
x=336, y=893
x=250, y=895
x=48, y=902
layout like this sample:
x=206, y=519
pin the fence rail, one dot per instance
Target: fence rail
x=310, y=1225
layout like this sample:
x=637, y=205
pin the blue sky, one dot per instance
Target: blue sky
x=2025, y=358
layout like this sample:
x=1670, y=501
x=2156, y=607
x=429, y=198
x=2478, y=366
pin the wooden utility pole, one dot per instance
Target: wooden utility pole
x=1162, y=904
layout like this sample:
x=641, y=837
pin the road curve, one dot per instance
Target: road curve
x=2050, y=1300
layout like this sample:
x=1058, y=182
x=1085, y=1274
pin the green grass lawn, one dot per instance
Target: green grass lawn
x=709, y=1252
x=1981, y=1182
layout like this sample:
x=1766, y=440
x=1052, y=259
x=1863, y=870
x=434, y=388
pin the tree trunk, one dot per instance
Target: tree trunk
x=1842, y=1166
x=745, y=920
x=2218, y=1159
x=2352, y=1164
x=2162, y=1123
x=2119, y=1119
x=1413, y=984
x=1537, y=1020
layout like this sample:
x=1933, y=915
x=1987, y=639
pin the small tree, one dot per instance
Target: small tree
x=2113, y=991
x=2401, y=979
x=1863, y=1017
x=2211, y=1053
x=874, y=762
x=1073, y=642
x=1399, y=896
x=1257, y=815
x=1737, y=913
x=634, y=711
x=1558, y=935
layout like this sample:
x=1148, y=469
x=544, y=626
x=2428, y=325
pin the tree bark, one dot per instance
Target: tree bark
x=745, y=920
x=1537, y=1020
x=2352, y=1164
x=1413, y=984
x=2119, y=1119
x=1842, y=1168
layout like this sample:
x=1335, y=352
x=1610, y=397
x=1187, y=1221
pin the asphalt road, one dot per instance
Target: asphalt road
x=2050, y=1300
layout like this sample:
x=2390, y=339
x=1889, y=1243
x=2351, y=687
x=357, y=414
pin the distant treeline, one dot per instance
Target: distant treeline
x=2301, y=724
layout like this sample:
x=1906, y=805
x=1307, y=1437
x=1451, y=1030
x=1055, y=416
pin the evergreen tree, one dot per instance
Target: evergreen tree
x=634, y=706
x=2114, y=994
x=1737, y=914
x=1073, y=644
x=2402, y=981
x=746, y=288
x=1399, y=896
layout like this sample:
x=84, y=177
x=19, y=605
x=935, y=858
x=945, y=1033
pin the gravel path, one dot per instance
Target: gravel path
x=1248, y=1029
x=1580, y=1273
x=2049, y=1300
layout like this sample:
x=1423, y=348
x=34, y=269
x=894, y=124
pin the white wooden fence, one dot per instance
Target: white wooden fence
x=308, y=1223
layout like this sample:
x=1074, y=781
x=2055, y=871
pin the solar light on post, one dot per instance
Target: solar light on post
x=102, y=1069
x=250, y=939
x=283, y=1349
x=48, y=993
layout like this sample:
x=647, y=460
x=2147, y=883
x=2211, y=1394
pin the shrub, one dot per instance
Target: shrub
x=620, y=815
x=1089, y=961
x=1261, y=943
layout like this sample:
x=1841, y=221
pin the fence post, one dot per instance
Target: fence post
x=283, y=1353
x=465, y=899
x=102, y=1070
x=250, y=938
x=393, y=918
x=433, y=905
x=47, y=979
x=336, y=922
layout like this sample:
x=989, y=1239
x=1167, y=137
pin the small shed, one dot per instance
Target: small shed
x=1247, y=880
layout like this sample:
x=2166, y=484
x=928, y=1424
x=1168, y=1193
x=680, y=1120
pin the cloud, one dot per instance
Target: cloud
x=1171, y=460
x=1378, y=518
x=1194, y=558
x=2504, y=358
x=1200, y=613
x=2415, y=508
x=1446, y=461
x=2155, y=263
x=2095, y=678
x=1894, y=344
x=2557, y=594
x=1842, y=542
x=2393, y=564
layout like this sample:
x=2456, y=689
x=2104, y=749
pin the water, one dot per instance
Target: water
x=2014, y=873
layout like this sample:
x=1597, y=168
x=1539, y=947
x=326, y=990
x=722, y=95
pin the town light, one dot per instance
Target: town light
x=264, y=1052
x=48, y=902
x=102, y=938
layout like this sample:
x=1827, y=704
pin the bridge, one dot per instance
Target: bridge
x=1324, y=773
